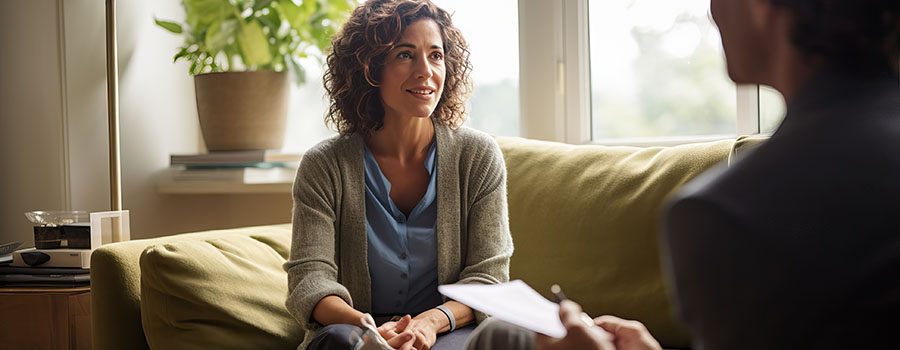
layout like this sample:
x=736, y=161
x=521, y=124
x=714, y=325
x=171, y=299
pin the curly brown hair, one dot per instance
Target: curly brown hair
x=356, y=61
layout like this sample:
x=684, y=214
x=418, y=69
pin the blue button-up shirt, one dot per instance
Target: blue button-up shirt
x=402, y=250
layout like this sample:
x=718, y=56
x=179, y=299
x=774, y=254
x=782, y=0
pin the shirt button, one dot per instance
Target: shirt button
x=402, y=256
x=403, y=275
x=400, y=219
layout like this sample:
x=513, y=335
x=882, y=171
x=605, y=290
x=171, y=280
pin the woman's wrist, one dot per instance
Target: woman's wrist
x=435, y=319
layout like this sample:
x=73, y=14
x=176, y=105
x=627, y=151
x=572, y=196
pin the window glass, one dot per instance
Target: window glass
x=494, y=51
x=657, y=69
x=771, y=109
x=306, y=110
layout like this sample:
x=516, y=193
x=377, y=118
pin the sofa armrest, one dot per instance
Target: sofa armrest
x=116, y=286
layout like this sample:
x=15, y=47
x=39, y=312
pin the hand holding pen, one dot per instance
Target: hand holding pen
x=604, y=332
x=581, y=333
x=560, y=297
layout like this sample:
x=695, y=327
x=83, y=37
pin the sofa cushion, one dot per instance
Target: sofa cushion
x=587, y=218
x=221, y=292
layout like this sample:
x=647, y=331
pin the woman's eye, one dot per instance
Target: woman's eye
x=404, y=55
x=437, y=56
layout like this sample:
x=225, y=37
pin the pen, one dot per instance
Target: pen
x=559, y=297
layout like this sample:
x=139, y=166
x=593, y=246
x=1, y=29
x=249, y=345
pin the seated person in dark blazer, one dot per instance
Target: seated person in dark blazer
x=796, y=246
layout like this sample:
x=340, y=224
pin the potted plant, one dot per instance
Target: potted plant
x=239, y=52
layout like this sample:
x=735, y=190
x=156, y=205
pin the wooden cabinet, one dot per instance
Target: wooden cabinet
x=36, y=318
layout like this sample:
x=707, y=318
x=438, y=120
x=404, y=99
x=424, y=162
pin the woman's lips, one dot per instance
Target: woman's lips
x=424, y=94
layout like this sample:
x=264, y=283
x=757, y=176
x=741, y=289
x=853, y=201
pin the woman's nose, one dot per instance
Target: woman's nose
x=423, y=69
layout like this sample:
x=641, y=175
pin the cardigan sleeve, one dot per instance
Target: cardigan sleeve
x=311, y=269
x=489, y=245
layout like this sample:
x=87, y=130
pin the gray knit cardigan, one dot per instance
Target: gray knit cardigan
x=329, y=248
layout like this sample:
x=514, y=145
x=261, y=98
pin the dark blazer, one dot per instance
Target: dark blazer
x=797, y=245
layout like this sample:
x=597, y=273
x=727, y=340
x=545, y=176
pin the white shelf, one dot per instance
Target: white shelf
x=221, y=187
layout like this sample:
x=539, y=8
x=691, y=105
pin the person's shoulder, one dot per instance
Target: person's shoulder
x=467, y=137
x=330, y=147
x=754, y=182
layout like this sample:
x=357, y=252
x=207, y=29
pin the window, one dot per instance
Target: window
x=494, y=104
x=639, y=72
x=771, y=109
x=494, y=45
x=306, y=112
x=657, y=70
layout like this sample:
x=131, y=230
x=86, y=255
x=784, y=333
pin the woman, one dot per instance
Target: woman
x=404, y=199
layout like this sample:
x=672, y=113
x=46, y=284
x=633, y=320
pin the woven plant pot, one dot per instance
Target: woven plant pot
x=242, y=110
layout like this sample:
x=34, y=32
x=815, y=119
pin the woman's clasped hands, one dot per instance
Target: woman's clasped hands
x=409, y=333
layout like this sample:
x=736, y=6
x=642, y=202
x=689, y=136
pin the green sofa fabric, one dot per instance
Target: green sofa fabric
x=216, y=293
x=116, y=283
x=585, y=217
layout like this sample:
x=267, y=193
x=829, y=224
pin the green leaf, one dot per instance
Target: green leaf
x=309, y=7
x=296, y=15
x=181, y=53
x=201, y=13
x=261, y=4
x=337, y=8
x=231, y=51
x=297, y=69
x=169, y=25
x=271, y=20
x=218, y=34
x=254, y=47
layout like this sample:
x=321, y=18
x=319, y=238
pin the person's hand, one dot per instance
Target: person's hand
x=388, y=331
x=397, y=340
x=628, y=334
x=580, y=334
x=423, y=333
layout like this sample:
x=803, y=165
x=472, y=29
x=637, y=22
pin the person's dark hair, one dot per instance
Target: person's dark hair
x=855, y=35
x=356, y=60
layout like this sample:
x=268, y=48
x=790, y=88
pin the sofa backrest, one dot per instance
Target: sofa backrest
x=588, y=217
x=585, y=217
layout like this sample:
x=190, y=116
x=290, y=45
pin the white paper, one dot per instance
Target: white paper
x=514, y=302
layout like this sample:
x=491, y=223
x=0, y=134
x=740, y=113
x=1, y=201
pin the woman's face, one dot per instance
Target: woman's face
x=413, y=76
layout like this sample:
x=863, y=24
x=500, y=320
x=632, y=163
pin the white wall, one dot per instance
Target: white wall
x=31, y=105
x=53, y=109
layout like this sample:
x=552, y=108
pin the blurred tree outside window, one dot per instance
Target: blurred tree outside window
x=658, y=70
x=492, y=30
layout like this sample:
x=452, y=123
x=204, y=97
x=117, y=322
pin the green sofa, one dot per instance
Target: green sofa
x=585, y=217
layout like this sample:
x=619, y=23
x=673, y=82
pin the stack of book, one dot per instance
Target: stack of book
x=245, y=167
x=37, y=276
x=12, y=276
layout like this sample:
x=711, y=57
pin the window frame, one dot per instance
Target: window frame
x=563, y=73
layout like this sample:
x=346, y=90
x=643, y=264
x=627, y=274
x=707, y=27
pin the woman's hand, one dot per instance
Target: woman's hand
x=388, y=330
x=580, y=334
x=423, y=331
x=396, y=340
x=629, y=335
